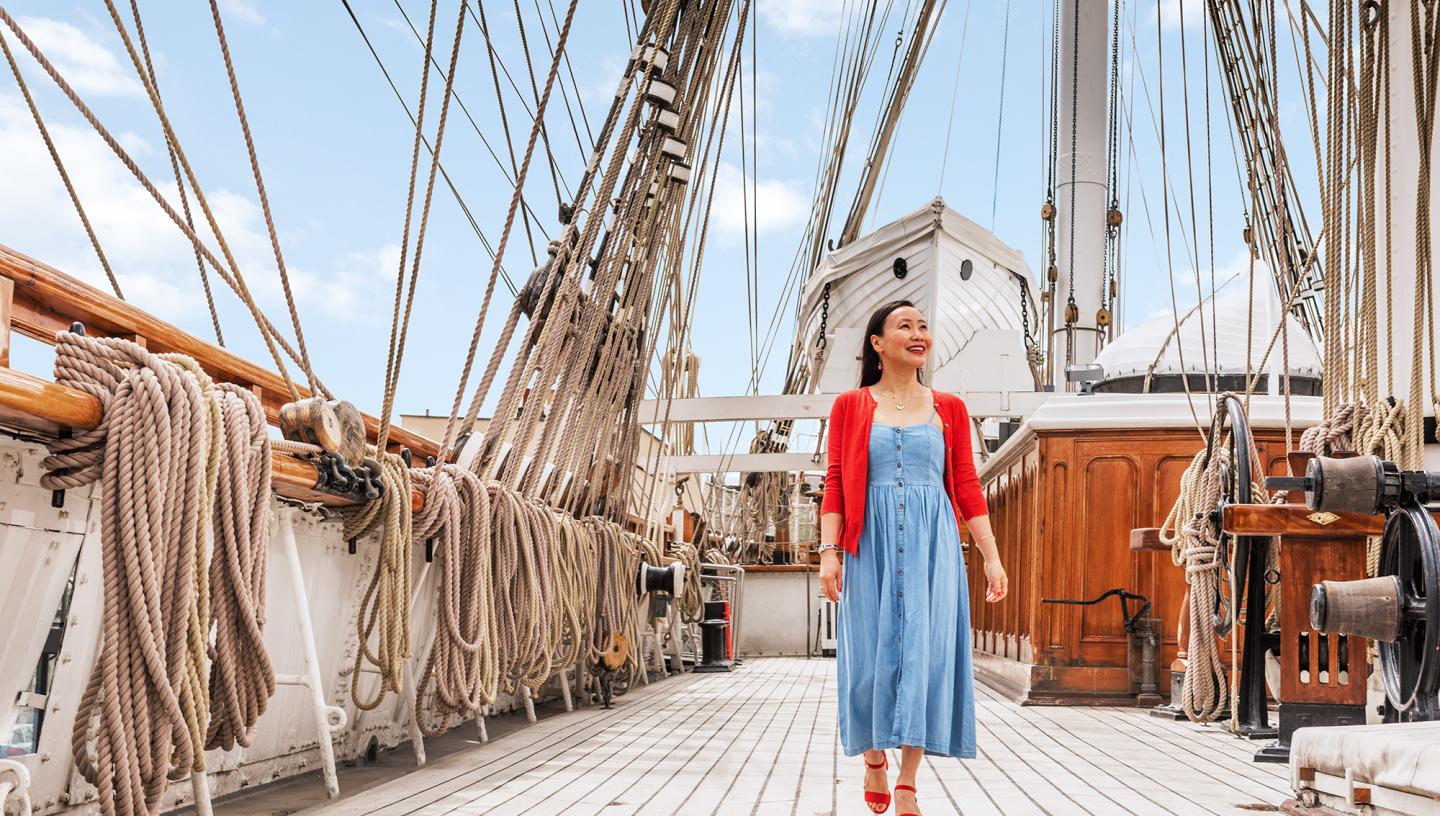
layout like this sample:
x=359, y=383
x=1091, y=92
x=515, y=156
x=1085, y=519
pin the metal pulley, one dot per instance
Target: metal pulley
x=1102, y=317
x=1113, y=217
x=1047, y=211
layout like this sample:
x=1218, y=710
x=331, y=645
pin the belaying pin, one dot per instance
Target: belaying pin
x=350, y=545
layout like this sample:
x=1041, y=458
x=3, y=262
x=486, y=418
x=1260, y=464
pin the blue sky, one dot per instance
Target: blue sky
x=334, y=145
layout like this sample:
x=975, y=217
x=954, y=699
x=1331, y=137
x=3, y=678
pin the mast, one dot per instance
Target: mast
x=1080, y=190
x=1398, y=129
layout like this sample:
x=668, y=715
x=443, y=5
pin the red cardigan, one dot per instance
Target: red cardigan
x=847, y=469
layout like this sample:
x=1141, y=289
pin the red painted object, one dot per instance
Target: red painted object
x=849, y=455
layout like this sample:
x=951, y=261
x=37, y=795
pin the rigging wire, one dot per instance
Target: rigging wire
x=454, y=191
x=999, y=115
x=955, y=91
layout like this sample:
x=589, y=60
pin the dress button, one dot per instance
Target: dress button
x=902, y=549
x=899, y=484
x=902, y=526
x=900, y=572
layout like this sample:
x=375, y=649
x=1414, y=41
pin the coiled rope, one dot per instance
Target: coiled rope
x=385, y=609
x=242, y=679
x=174, y=454
x=462, y=671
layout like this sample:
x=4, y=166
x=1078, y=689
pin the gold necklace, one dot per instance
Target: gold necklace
x=899, y=406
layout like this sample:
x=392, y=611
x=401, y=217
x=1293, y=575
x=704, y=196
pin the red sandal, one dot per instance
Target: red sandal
x=876, y=801
x=910, y=788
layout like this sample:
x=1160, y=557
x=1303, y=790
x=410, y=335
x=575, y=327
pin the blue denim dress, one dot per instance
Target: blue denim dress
x=903, y=651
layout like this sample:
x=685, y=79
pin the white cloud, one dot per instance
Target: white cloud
x=1170, y=11
x=86, y=64
x=243, y=10
x=804, y=18
x=153, y=260
x=777, y=204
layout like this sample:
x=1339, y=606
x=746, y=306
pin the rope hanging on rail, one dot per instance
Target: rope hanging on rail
x=147, y=714
x=385, y=609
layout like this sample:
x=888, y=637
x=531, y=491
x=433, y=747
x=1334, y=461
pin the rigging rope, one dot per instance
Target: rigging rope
x=305, y=365
x=60, y=167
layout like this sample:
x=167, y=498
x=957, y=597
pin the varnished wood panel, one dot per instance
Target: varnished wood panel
x=1088, y=491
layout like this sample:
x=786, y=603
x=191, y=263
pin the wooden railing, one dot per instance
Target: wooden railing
x=37, y=301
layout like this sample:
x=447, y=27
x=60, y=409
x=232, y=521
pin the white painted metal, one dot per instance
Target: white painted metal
x=776, y=613
x=747, y=463
x=14, y=788
x=328, y=719
x=38, y=546
x=1080, y=168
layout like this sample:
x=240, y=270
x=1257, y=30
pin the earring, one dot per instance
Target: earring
x=880, y=365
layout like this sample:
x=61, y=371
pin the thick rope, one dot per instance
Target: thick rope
x=385, y=609
x=305, y=365
x=462, y=671
x=142, y=713
x=242, y=679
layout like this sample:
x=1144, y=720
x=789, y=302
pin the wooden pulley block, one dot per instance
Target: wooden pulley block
x=1045, y=297
x=1114, y=288
x=334, y=425
x=1072, y=313
x=619, y=651
x=1053, y=273
x=1248, y=235
x=1102, y=317
x=1113, y=217
x=1047, y=211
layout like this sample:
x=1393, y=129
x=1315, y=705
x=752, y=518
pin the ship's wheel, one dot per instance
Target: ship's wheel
x=1249, y=572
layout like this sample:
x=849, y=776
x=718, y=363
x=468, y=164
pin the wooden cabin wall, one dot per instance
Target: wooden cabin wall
x=1063, y=505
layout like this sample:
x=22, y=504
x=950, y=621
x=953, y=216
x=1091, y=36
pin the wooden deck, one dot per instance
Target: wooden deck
x=763, y=740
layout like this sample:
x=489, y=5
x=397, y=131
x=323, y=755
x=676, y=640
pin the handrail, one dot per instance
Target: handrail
x=46, y=300
x=39, y=405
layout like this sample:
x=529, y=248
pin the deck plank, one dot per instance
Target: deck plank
x=764, y=740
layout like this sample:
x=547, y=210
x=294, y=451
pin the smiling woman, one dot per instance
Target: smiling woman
x=902, y=473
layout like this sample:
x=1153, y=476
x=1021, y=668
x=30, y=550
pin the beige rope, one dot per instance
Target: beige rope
x=462, y=671
x=385, y=609
x=315, y=384
x=242, y=679
x=143, y=710
x=60, y=167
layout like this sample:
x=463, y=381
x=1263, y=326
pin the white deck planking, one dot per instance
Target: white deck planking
x=763, y=740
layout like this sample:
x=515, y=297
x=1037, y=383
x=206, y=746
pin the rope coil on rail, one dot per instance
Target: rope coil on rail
x=463, y=665
x=385, y=609
x=148, y=711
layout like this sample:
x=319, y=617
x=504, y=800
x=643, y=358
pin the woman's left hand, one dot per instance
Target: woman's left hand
x=997, y=583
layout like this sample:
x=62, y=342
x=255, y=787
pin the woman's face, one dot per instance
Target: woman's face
x=906, y=341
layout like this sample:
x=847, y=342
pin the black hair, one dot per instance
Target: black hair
x=869, y=357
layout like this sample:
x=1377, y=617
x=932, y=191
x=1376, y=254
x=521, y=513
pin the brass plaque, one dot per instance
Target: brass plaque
x=1323, y=518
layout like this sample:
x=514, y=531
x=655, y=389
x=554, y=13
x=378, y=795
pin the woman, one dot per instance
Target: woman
x=899, y=478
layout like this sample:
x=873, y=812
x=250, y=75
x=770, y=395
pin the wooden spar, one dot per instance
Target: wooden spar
x=1297, y=520
x=46, y=300
x=39, y=405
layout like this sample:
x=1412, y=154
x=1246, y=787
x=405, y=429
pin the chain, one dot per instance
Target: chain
x=820, y=341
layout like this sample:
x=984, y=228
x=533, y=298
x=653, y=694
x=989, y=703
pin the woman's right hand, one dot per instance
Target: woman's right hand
x=830, y=574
